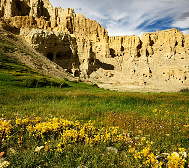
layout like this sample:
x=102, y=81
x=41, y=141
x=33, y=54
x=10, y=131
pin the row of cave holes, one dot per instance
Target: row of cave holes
x=150, y=72
x=176, y=78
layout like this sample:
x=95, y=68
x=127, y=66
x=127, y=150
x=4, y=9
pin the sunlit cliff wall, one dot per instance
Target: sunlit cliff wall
x=83, y=47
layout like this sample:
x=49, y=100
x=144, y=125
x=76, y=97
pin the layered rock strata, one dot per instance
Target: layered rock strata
x=162, y=55
x=91, y=37
x=83, y=47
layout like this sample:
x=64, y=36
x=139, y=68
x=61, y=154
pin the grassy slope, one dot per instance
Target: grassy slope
x=24, y=91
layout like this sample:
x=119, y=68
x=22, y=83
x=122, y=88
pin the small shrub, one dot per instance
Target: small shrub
x=35, y=82
x=184, y=90
x=95, y=85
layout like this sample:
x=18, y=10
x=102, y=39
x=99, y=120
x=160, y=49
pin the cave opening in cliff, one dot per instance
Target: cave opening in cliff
x=50, y=56
x=58, y=55
x=147, y=53
x=112, y=52
x=67, y=54
x=42, y=11
x=64, y=58
x=76, y=73
x=23, y=8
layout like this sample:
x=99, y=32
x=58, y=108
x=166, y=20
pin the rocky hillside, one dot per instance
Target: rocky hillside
x=158, y=61
x=14, y=46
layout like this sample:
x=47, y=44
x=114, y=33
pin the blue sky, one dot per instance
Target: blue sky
x=132, y=17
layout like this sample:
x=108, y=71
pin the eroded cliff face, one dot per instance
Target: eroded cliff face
x=91, y=38
x=59, y=47
x=162, y=55
x=83, y=48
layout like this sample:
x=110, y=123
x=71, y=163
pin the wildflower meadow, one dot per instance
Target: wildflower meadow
x=80, y=125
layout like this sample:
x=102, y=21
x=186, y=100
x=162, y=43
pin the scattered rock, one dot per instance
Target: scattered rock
x=176, y=154
x=184, y=154
x=82, y=166
x=39, y=148
x=3, y=154
x=111, y=149
x=12, y=151
x=4, y=164
x=166, y=154
x=128, y=139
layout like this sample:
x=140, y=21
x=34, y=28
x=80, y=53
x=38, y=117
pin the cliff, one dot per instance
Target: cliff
x=82, y=46
x=161, y=55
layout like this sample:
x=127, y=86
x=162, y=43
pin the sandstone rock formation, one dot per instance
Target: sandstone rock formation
x=91, y=37
x=162, y=55
x=83, y=47
x=59, y=47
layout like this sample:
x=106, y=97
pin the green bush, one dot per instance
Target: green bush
x=184, y=90
x=35, y=82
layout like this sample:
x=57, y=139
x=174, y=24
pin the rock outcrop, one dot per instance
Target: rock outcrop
x=83, y=47
x=91, y=37
x=59, y=47
x=162, y=55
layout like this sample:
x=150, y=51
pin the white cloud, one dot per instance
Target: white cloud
x=127, y=17
x=183, y=24
x=186, y=31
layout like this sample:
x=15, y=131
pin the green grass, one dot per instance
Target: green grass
x=160, y=117
x=13, y=73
